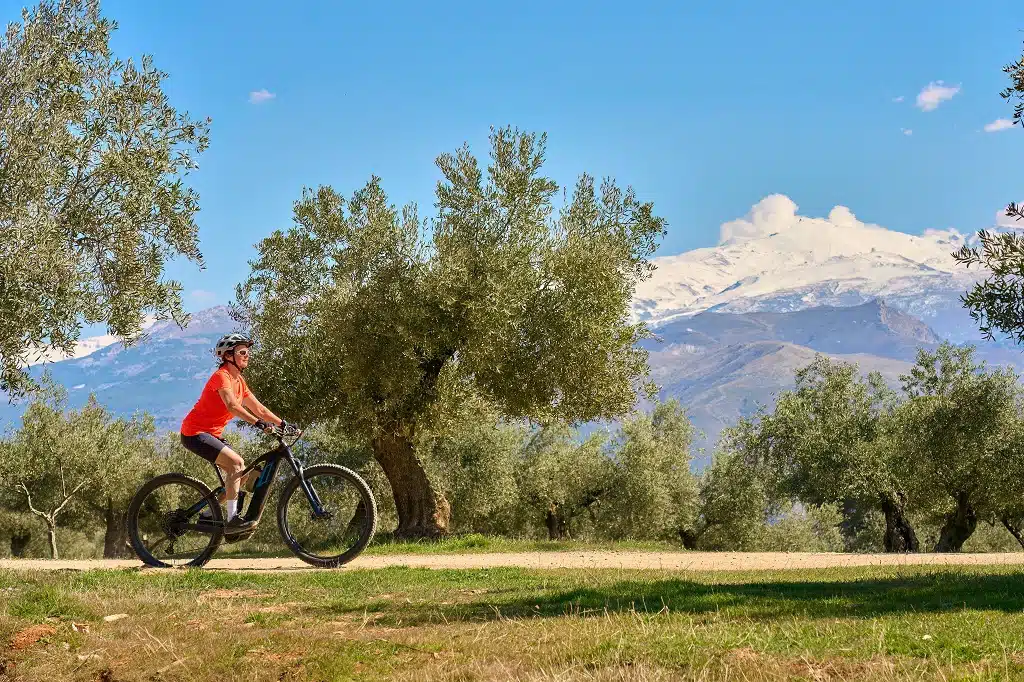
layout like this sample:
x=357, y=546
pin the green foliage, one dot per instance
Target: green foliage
x=863, y=529
x=733, y=505
x=359, y=314
x=654, y=493
x=823, y=438
x=92, y=198
x=945, y=454
x=472, y=455
x=811, y=529
x=961, y=440
x=991, y=537
x=995, y=302
x=561, y=482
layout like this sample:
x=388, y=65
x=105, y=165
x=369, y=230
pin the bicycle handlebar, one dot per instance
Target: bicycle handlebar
x=282, y=433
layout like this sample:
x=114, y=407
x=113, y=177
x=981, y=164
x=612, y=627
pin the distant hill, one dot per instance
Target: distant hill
x=162, y=374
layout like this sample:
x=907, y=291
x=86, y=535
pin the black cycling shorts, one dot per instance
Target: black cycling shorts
x=205, y=445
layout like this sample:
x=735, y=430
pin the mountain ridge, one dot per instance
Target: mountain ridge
x=732, y=322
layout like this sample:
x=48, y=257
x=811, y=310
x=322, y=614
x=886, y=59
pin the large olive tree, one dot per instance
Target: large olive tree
x=364, y=312
x=92, y=198
x=962, y=444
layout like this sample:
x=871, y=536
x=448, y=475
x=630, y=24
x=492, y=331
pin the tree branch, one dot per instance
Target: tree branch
x=31, y=507
x=67, y=499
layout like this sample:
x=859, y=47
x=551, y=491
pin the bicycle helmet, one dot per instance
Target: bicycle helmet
x=228, y=343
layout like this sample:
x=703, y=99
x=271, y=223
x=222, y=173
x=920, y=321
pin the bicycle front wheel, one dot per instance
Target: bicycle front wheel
x=175, y=521
x=346, y=526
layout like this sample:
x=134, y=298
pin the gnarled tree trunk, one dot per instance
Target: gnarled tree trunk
x=959, y=526
x=19, y=543
x=1014, y=528
x=115, y=538
x=689, y=537
x=899, y=534
x=423, y=512
x=557, y=525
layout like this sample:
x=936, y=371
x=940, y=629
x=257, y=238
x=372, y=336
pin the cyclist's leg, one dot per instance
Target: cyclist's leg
x=219, y=453
x=232, y=464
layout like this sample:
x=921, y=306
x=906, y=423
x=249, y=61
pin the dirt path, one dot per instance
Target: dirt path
x=680, y=561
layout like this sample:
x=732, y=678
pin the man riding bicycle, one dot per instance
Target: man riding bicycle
x=224, y=396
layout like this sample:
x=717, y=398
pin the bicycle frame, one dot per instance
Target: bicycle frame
x=261, y=489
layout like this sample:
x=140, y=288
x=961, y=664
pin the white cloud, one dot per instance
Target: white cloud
x=898, y=99
x=260, y=96
x=1003, y=220
x=998, y=124
x=906, y=131
x=771, y=214
x=203, y=296
x=934, y=94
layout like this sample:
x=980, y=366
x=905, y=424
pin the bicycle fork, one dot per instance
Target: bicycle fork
x=314, y=500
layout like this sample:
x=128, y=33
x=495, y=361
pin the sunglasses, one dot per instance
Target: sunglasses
x=243, y=353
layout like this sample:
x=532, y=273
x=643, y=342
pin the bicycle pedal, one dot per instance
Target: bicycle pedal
x=238, y=537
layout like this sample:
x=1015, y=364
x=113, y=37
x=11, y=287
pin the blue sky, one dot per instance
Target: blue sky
x=704, y=110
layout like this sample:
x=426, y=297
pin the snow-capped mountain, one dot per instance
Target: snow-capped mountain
x=776, y=260
x=161, y=374
x=84, y=347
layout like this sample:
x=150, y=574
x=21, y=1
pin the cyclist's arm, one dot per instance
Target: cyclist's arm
x=256, y=407
x=236, y=408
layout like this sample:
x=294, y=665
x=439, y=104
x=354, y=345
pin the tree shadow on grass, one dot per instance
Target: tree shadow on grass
x=865, y=598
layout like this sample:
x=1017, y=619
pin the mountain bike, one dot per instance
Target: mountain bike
x=175, y=520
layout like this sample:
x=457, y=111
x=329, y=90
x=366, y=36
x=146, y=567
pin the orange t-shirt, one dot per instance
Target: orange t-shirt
x=210, y=414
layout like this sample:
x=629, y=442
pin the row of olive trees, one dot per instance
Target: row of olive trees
x=72, y=469
x=631, y=483
x=839, y=464
x=945, y=452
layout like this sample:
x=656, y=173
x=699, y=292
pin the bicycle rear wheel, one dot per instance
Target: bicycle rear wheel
x=175, y=521
x=343, y=532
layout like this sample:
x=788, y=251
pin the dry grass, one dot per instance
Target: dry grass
x=515, y=624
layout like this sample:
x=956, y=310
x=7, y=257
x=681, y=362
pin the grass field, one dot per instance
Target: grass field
x=401, y=623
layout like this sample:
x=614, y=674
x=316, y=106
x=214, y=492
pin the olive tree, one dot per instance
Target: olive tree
x=961, y=422
x=73, y=467
x=364, y=312
x=830, y=441
x=655, y=493
x=734, y=498
x=562, y=482
x=92, y=195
